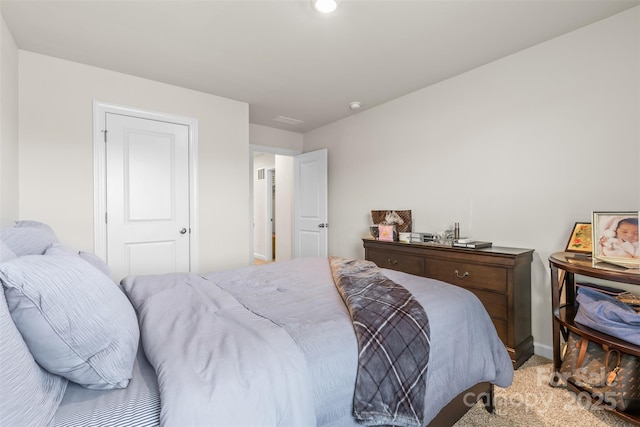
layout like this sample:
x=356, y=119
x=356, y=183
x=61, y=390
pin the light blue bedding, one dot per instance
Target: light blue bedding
x=301, y=297
x=217, y=363
x=274, y=344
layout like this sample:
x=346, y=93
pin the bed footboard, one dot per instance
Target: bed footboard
x=460, y=404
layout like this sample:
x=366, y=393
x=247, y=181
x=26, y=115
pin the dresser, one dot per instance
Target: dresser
x=500, y=277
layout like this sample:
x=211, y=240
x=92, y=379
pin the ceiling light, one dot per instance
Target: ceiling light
x=325, y=6
x=354, y=105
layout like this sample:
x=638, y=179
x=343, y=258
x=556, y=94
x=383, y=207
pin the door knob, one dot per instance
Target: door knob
x=183, y=230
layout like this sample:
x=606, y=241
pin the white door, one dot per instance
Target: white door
x=310, y=235
x=147, y=196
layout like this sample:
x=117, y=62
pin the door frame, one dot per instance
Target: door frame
x=269, y=219
x=100, y=109
x=254, y=148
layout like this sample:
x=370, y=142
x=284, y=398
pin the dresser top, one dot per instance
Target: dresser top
x=503, y=250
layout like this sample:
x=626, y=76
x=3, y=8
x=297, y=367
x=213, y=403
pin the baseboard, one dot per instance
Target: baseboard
x=543, y=350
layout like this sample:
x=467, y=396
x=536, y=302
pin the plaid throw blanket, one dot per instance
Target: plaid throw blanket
x=393, y=342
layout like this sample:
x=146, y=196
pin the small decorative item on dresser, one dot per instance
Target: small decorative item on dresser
x=404, y=237
x=475, y=244
x=421, y=237
x=580, y=239
x=387, y=233
x=615, y=238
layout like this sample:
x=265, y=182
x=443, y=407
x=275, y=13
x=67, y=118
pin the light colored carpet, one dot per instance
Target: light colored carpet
x=530, y=401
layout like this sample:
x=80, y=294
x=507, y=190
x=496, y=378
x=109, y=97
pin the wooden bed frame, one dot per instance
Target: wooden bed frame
x=459, y=405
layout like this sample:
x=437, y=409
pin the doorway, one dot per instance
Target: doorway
x=272, y=194
x=300, y=202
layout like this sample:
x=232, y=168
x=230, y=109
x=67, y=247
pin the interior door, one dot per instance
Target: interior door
x=147, y=196
x=310, y=205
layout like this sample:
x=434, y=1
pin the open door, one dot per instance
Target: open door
x=310, y=234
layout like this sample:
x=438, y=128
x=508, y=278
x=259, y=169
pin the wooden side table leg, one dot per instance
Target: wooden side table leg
x=555, y=307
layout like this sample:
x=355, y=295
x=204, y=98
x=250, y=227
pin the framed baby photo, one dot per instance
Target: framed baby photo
x=615, y=238
x=580, y=238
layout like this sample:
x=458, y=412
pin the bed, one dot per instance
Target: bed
x=262, y=345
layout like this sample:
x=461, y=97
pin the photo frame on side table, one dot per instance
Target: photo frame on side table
x=615, y=238
x=580, y=239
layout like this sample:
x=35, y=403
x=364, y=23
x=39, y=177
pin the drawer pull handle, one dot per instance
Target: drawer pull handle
x=394, y=262
x=465, y=274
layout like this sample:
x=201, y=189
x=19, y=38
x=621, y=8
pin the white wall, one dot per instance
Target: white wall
x=56, y=159
x=8, y=127
x=515, y=151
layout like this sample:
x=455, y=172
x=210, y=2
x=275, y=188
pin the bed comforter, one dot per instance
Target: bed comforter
x=274, y=345
x=216, y=362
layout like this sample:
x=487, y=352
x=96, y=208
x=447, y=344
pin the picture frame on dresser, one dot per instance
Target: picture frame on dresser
x=615, y=238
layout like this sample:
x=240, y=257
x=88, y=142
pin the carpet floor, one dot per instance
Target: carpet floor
x=530, y=401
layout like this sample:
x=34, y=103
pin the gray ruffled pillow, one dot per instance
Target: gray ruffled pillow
x=6, y=253
x=76, y=322
x=97, y=262
x=91, y=258
x=29, y=395
x=28, y=238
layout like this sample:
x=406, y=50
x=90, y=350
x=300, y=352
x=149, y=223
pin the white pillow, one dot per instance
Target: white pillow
x=29, y=395
x=76, y=321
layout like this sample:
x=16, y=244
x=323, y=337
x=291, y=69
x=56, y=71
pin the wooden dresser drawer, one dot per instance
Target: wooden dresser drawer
x=494, y=303
x=400, y=262
x=468, y=275
x=501, y=328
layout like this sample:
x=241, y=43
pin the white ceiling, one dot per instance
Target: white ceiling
x=285, y=59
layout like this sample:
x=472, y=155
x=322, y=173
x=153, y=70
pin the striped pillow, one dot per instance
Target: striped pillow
x=29, y=395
